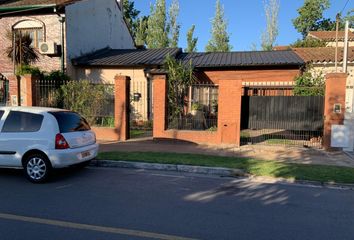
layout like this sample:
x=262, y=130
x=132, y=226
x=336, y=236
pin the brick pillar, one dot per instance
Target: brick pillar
x=229, y=115
x=13, y=90
x=159, y=104
x=335, y=94
x=121, y=107
x=28, y=90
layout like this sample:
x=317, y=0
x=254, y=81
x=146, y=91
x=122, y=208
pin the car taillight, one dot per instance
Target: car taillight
x=60, y=142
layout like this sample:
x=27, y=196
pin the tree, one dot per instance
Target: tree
x=308, y=42
x=141, y=29
x=309, y=83
x=180, y=77
x=311, y=16
x=130, y=15
x=350, y=18
x=219, y=41
x=157, y=34
x=271, y=8
x=191, y=40
x=173, y=26
x=25, y=53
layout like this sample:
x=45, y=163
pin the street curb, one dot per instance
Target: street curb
x=214, y=171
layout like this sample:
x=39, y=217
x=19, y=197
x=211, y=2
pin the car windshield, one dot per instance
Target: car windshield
x=70, y=122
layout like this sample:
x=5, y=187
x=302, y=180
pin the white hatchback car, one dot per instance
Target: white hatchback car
x=39, y=139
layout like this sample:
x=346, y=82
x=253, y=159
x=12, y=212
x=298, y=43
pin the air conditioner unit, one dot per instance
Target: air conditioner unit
x=48, y=48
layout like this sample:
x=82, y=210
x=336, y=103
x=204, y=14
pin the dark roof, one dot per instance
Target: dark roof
x=242, y=59
x=28, y=3
x=127, y=57
x=323, y=54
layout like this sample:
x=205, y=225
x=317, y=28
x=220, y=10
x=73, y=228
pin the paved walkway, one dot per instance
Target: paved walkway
x=282, y=154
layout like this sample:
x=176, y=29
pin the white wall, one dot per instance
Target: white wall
x=93, y=25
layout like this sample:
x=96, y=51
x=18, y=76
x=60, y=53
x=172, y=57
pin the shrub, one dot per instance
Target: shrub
x=85, y=98
x=27, y=69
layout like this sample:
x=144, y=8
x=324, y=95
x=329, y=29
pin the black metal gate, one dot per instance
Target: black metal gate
x=4, y=90
x=277, y=116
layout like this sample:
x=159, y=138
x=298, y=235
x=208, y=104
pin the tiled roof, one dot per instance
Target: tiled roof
x=323, y=54
x=25, y=3
x=242, y=59
x=127, y=57
x=330, y=36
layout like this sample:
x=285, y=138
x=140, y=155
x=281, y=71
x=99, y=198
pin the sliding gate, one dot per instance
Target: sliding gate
x=282, y=115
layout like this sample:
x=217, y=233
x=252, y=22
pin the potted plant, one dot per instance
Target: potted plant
x=195, y=108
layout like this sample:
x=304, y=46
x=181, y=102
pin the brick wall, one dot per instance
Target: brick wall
x=45, y=63
x=52, y=33
x=229, y=115
x=335, y=94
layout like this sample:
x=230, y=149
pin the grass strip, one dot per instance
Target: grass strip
x=309, y=172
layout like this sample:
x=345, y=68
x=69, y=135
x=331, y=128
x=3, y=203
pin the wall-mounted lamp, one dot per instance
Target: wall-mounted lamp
x=136, y=97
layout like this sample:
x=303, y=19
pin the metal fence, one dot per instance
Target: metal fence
x=199, y=110
x=282, y=114
x=104, y=115
x=4, y=90
x=97, y=106
x=46, y=92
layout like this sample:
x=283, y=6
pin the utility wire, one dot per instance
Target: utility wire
x=341, y=12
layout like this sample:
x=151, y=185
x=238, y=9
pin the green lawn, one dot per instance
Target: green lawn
x=136, y=133
x=255, y=167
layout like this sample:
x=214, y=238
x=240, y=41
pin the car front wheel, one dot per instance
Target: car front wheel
x=37, y=168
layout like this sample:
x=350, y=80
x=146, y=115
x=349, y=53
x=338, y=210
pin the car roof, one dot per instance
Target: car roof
x=32, y=109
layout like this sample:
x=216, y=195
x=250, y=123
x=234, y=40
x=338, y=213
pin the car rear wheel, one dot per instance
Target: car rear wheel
x=37, y=168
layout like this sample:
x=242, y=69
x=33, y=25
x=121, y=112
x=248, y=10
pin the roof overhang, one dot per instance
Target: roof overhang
x=25, y=8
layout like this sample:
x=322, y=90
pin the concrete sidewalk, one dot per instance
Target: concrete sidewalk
x=279, y=153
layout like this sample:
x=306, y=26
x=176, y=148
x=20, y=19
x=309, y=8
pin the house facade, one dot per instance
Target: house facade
x=322, y=60
x=104, y=65
x=67, y=28
x=330, y=37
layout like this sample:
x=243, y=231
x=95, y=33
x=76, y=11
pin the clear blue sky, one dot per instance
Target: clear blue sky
x=245, y=17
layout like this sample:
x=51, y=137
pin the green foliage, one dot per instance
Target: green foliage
x=311, y=17
x=271, y=168
x=180, y=77
x=309, y=84
x=308, y=42
x=191, y=41
x=157, y=31
x=25, y=54
x=196, y=107
x=271, y=8
x=84, y=97
x=27, y=69
x=220, y=39
x=58, y=76
x=130, y=15
x=350, y=17
x=173, y=25
x=141, y=30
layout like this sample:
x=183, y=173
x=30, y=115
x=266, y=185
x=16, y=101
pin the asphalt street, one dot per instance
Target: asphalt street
x=101, y=203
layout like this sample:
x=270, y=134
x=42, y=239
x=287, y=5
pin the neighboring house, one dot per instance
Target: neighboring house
x=102, y=66
x=70, y=28
x=330, y=37
x=323, y=61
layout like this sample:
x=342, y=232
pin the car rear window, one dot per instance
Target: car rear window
x=1, y=113
x=22, y=122
x=70, y=122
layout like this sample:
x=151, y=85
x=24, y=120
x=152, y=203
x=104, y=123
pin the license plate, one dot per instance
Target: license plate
x=85, y=154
